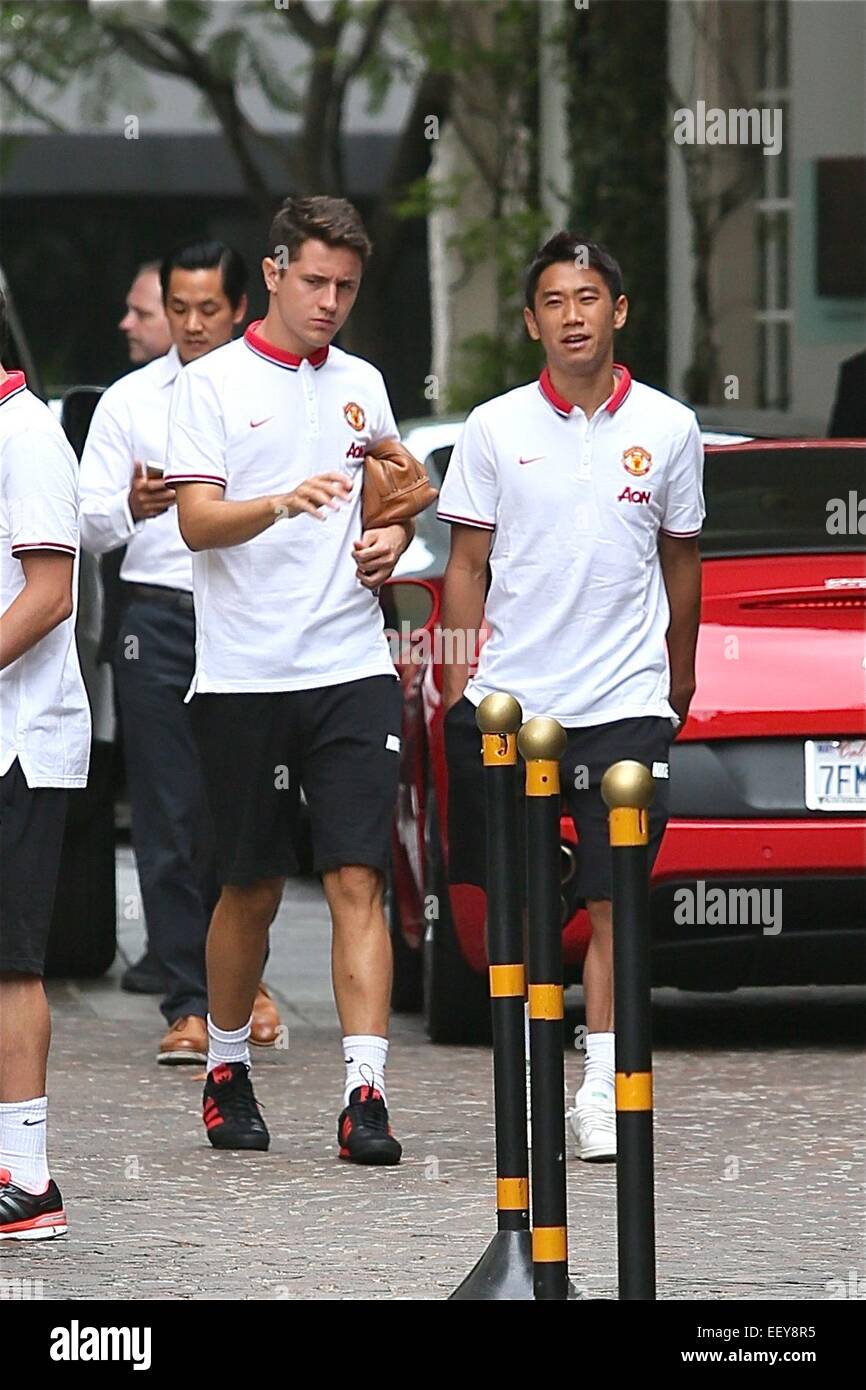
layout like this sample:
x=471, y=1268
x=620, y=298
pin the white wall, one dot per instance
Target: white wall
x=828, y=72
x=827, y=63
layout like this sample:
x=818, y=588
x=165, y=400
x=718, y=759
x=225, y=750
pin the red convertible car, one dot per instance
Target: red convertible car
x=768, y=775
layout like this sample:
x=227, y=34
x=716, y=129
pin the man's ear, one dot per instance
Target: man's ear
x=270, y=273
x=240, y=312
x=620, y=312
x=531, y=325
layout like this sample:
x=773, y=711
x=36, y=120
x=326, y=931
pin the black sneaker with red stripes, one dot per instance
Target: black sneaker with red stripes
x=363, y=1132
x=231, y=1112
x=30, y=1215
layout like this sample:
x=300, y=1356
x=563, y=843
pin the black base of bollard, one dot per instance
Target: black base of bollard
x=504, y=1271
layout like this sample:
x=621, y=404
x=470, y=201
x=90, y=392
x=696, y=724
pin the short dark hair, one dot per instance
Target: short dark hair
x=569, y=246
x=2, y=324
x=335, y=221
x=206, y=255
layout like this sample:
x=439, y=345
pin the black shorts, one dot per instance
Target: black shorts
x=31, y=838
x=341, y=743
x=589, y=753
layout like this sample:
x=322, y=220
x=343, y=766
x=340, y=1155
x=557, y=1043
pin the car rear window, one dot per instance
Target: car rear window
x=783, y=500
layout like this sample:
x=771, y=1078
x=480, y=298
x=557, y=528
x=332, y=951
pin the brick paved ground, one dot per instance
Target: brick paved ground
x=759, y=1122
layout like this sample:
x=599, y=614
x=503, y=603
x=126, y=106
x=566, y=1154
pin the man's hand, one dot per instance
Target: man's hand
x=325, y=490
x=681, y=697
x=377, y=552
x=452, y=690
x=149, y=497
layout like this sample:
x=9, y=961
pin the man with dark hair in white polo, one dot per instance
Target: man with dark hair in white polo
x=294, y=684
x=583, y=492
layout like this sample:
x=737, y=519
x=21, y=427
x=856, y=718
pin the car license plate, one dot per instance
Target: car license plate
x=836, y=774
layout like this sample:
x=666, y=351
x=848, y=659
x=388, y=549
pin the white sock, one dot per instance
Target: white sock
x=365, y=1057
x=227, y=1044
x=23, y=1142
x=599, y=1067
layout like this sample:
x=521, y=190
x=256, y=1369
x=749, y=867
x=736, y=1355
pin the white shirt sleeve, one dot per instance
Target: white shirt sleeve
x=469, y=494
x=106, y=475
x=384, y=426
x=683, y=508
x=196, y=432
x=40, y=485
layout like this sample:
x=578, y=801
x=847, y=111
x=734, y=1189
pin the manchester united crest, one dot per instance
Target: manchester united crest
x=355, y=415
x=637, y=461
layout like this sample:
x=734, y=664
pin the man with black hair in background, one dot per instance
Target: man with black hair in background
x=44, y=750
x=124, y=502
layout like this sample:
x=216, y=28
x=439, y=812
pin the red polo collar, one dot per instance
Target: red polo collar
x=564, y=407
x=277, y=355
x=12, y=385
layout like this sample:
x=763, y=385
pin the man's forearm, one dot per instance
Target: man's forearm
x=462, y=612
x=32, y=614
x=684, y=597
x=209, y=525
x=681, y=569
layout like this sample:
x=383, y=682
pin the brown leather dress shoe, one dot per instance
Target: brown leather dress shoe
x=266, y=1020
x=185, y=1041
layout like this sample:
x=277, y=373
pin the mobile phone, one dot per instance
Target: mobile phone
x=155, y=472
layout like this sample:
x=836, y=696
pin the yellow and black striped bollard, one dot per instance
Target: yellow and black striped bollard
x=541, y=743
x=627, y=789
x=505, y=1269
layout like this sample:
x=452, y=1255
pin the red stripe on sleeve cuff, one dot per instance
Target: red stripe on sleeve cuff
x=467, y=521
x=44, y=545
x=682, y=535
x=193, y=478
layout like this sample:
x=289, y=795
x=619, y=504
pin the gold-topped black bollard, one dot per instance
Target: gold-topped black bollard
x=541, y=743
x=627, y=789
x=505, y=1269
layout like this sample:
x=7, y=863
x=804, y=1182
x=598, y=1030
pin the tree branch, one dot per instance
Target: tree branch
x=376, y=21
x=316, y=35
x=29, y=108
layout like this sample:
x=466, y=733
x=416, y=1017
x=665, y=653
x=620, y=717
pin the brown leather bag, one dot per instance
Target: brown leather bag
x=395, y=485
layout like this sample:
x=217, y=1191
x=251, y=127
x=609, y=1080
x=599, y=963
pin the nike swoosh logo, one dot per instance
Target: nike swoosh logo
x=34, y=1122
x=254, y=424
x=536, y=459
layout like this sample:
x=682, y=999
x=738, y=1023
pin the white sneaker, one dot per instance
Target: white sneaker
x=593, y=1123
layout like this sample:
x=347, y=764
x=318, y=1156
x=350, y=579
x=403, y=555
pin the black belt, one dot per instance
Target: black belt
x=158, y=593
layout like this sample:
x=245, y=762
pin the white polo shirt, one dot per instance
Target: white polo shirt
x=130, y=424
x=284, y=611
x=44, y=714
x=577, y=606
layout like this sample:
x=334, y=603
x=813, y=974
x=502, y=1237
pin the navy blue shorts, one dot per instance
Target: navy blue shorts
x=588, y=754
x=340, y=743
x=32, y=821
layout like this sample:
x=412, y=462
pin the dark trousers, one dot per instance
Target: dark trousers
x=154, y=657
